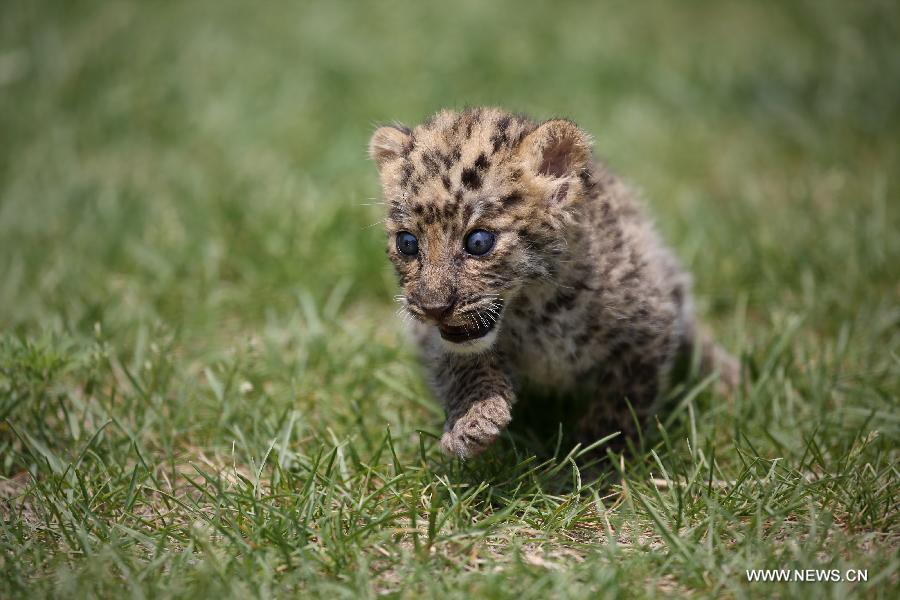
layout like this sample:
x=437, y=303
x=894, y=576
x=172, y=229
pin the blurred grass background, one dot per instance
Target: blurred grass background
x=189, y=269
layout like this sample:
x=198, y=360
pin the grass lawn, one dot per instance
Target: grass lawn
x=204, y=389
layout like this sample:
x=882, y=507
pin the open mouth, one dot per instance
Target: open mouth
x=480, y=327
x=459, y=334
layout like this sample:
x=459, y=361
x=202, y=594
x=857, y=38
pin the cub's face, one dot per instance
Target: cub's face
x=476, y=205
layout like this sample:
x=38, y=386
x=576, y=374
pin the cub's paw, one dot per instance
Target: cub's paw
x=475, y=430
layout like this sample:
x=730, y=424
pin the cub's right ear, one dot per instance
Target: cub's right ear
x=558, y=149
x=387, y=143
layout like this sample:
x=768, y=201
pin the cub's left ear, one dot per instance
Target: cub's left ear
x=387, y=143
x=557, y=149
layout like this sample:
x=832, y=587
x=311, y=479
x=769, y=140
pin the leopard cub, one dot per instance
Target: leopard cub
x=522, y=259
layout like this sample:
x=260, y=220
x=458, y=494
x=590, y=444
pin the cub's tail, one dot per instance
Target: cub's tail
x=709, y=357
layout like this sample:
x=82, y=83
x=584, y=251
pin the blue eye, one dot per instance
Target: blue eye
x=479, y=242
x=407, y=243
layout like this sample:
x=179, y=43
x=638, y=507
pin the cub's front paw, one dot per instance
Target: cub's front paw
x=476, y=429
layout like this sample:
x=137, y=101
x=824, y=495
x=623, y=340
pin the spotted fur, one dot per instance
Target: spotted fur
x=578, y=289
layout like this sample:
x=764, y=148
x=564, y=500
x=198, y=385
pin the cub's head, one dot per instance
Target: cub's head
x=477, y=203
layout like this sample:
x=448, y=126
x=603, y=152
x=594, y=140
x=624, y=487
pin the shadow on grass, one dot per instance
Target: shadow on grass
x=540, y=453
x=541, y=443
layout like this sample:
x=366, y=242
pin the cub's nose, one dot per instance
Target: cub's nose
x=438, y=312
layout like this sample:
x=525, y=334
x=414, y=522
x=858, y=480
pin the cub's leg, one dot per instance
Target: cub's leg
x=638, y=384
x=477, y=395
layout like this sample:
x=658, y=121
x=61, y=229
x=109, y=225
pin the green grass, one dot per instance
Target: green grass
x=203, y=388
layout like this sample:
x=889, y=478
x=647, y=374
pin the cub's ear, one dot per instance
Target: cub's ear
x=557, y=149
x=387, y=143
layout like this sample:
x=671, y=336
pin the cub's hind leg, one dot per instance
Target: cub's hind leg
x=621, y=402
